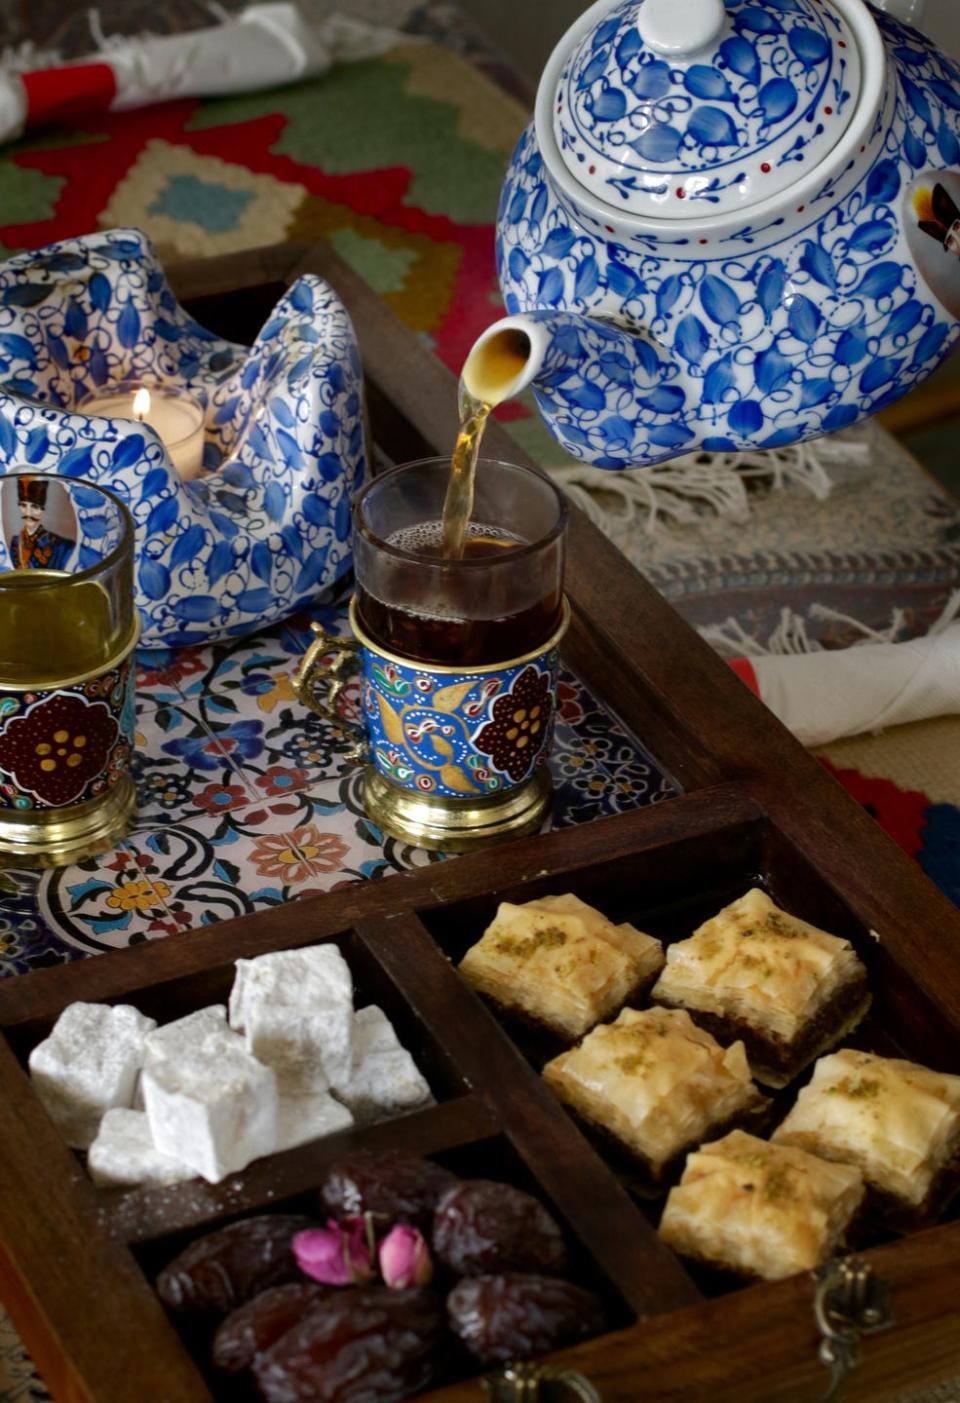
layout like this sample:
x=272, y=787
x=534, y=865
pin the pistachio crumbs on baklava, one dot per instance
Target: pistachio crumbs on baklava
x=560, y=963
x=787, y=988
x=656, y=1083
x=756, y=1209
x=897, y=1121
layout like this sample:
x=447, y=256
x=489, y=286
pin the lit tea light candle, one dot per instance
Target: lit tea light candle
x=174, y=415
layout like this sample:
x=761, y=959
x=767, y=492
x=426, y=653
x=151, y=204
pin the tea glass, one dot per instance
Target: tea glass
x=68, y=629
x=459, y=658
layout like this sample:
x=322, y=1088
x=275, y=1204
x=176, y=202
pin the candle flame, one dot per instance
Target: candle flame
x=141, y=404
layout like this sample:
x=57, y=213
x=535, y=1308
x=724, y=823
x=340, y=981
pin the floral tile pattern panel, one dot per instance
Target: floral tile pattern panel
x=249, y=800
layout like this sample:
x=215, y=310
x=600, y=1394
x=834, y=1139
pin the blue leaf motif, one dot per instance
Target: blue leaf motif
x=809, y=46
x=916, y=99
x=98, y=367
x=905, y=318
x=221, y=560
x=852, y=345
x=880, y=280
x=595, y=69
x=75, y=320
x=588, y=278
x=948, y=145
x=58, y=350
x=18, y=348
x=584, y=396
x=261, y=558
x=196, y=609
x=8, y=439
x=879, y=371
x=128, y=326
x=37, y=445
x=186, y=546
x=915, y=149
x=760, y=21
x=517, y=207
x=292, y=540
x=777, y=98
x=559, y=242
x=815, y=391
x=667, y=293
x=518, y=263
x=873, y=236
x=301, y=297
x=670, y=435
x=129, y=450
x=154, y=578
x=163, y=516
x=290, y=450
x=772, y=371
x=692, y=341
x=770, y=287
x=719, y=301
x=275, y=501
x=946, y=92
x=883, y=183
x=629, y=46
x=539, y=207
x=550, y=287
x=804, y=319
x=653, y=80
x=608, y=105
x=79, y=462
x=720, y=378
x=664, y=399
x=929, y=345
x=818, y=263
x=616, y=368
x=254, y=601
x=741, y=57
x=840, y=418
x=616, y=429
x=623, y=281
x=705, y=81
x=709, y=126
x=745, y=417
x=310, y=572
x=660, y=142
x=606, y=32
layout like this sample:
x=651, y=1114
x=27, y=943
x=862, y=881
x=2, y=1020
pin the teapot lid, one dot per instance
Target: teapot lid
x=686, y=109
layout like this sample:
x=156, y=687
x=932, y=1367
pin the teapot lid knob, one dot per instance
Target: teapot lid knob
x=681, y=28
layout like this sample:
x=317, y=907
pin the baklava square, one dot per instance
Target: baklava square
x=897, y=1121
x=760, y=1210
x=656, y=1083
x=560, y=963
x=788, y=989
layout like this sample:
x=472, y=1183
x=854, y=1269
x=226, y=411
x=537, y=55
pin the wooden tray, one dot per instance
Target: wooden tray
x=77, y=1264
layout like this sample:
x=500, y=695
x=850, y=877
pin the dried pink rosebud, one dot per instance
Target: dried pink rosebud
x=337, y=1255
x=405, y=1258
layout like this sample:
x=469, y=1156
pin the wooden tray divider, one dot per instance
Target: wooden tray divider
x=611, y=1227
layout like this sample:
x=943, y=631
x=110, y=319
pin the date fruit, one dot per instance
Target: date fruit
x=481, y=1227
x=514, y=1316
x=371, y=1345
x=402, y=1188
x=219, y=1272
x=254, y=1327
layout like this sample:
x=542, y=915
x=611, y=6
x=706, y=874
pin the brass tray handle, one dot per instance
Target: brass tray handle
x=539, y=1383
x=331, y=660
x=850, y=1302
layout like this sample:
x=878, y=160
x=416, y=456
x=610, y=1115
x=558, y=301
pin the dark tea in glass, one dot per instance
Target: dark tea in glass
x=501, y=599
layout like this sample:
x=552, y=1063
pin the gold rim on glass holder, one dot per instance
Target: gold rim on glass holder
x=540, y=1383
x=430, y=821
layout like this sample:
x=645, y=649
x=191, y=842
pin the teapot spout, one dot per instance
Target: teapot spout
x=610, y=394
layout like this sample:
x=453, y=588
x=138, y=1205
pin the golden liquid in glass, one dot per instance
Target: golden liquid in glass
x=49, y=634
x=487, y=378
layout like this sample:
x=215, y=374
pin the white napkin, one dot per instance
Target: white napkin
x=846, y=692
x=266, y=45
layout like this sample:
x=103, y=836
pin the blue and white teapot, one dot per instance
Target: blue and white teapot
x=732, y=223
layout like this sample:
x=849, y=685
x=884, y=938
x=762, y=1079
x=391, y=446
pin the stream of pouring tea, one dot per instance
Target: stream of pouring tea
x=493, y=370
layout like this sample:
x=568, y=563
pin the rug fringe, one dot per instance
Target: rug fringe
x=791, y=635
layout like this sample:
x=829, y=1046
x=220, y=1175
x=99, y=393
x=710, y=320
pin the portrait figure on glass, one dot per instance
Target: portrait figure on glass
x=39, y=525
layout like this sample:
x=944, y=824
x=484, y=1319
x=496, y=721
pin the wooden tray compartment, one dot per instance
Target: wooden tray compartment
x=753, y=804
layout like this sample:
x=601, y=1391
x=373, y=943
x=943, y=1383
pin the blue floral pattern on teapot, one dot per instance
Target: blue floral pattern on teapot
x=723, y=329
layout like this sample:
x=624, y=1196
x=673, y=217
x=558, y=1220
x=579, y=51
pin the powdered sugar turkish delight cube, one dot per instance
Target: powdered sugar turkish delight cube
x=193, y=1030
x=214, y=1107
x=295, y=1008
x=87, y=1065
x=124, y=1156
x=304, y=1118
x=384, y=1078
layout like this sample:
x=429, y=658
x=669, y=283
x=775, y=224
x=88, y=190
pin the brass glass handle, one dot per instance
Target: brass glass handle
x=539, y=1383
x=328, y=664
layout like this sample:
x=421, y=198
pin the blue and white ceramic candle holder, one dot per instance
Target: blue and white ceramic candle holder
x=267, y=523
